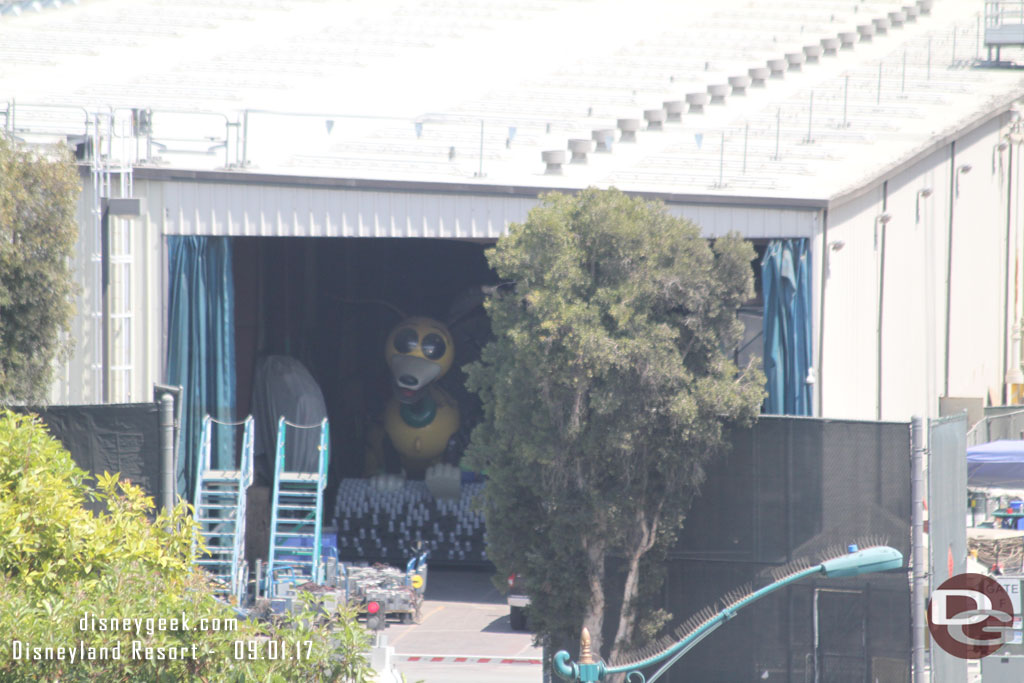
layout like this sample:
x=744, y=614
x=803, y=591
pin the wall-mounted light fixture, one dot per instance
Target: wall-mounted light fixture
x=881, y=219
x=834, y=245
x=997, y=151
x=962, y=169
x=923, y=193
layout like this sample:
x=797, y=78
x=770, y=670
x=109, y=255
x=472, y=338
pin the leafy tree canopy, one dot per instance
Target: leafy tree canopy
x=38, y=199
x=605, y=393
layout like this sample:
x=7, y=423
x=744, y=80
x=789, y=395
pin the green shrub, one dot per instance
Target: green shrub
x=66, y=575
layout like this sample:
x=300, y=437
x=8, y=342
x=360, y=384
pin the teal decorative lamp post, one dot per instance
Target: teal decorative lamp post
x=853, y=563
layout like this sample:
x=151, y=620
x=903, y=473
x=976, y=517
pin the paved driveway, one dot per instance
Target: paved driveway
x=463, y=615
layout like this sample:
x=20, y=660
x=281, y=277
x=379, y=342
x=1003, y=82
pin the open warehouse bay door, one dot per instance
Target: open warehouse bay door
x=381, y=328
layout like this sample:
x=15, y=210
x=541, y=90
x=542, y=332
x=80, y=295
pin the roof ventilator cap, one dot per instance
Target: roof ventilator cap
x=758, y=75
x=911, y=11
x=847, y=40
x=830, y=46
x=718, y=91
x=629, y=127
x=603, y=138
x=696, y=100
x=813, y=53
x=580, y=147
x=925, y=5
x=897, y=18
x=796, y=60
x=655, y=118
x=674, y=110
x=882, y=25
x=866, y=31
x=778, y=67
x=739, y=84
x=554, y=158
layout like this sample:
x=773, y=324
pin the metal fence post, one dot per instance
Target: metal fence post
x=919, y=588
x=167, y=451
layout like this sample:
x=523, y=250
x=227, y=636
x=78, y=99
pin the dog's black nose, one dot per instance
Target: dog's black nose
x=408, y=380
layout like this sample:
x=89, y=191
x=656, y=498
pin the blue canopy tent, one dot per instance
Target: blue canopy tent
x=997, y=463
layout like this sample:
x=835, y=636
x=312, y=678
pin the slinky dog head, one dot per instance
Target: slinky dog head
x=419, y=350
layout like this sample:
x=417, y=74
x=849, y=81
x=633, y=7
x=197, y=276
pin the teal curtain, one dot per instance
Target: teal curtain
x=786, y=283
x=201, y=347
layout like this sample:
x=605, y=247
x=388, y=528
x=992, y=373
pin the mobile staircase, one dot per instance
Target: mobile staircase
x=296, y=517
x=220, y=508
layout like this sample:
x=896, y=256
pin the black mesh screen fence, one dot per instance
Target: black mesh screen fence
x=122, y=438
x=998, y=423
x=796, y=488
x=947, y=519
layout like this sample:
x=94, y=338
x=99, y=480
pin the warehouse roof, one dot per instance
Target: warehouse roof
x=475, y=91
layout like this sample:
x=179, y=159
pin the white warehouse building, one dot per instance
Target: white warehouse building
x=333, y=144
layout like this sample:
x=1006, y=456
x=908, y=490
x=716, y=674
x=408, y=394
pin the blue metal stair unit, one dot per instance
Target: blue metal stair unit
x=220, y=509
x=296, y=519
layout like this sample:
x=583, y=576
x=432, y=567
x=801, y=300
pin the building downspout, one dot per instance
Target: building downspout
x=881, y=302
x=820, y=374
x=1006, y=285
x=949, y=260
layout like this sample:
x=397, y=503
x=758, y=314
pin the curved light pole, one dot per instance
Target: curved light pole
x=876, y=559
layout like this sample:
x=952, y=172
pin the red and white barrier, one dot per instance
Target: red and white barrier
x=466, y=659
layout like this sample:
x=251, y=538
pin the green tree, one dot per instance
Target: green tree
x=60, y=564
x=38, y=198
x=606, y=391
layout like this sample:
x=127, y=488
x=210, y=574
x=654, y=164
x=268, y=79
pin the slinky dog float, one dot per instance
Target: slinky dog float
x=420, y=417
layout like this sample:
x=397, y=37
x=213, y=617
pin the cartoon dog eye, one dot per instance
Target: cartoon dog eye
x=406, y=340
x=433, y=346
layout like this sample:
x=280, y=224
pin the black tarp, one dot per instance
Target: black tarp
x=283, y=387
x=122, y=438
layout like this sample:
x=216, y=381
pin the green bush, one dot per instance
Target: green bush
x=69, y=579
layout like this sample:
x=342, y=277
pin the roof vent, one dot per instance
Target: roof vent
x=674, y=110
x=778, y=67
x=655, y=118
x=866, y=31
x=580, y=147
x=739, y=84
x=796, y=60
x=758, y=75
x=629, y=127
x=718, y=92
x=897, y=19
x=830, y=46
x=882, y=25
x=812, y=53
x=925, y=5
x=696, y=100
x=603, y=138
x=911, y=11
x=554, y=158
x=847, y=40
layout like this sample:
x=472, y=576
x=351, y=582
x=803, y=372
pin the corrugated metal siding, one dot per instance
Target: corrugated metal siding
x=237, y=209
x=198, y=208
x=751, y=222
x=914, y=310
x=74, y=379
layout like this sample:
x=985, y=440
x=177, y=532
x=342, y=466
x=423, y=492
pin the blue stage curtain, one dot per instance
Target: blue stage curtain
x=201, y=347
x=786, y=281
